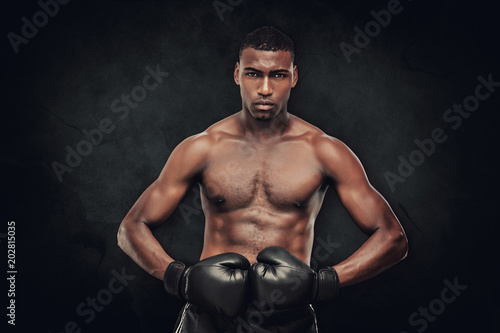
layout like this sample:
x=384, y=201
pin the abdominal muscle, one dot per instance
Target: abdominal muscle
x=250, y=230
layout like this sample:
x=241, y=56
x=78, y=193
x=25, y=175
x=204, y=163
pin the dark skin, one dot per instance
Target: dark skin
x=263, y=174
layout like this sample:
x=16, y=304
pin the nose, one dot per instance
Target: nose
x=265, y=88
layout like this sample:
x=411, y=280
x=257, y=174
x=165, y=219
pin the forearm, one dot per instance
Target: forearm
x=138, y=242
x=383, y=249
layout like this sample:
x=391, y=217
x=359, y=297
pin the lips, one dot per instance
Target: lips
x=264, y=105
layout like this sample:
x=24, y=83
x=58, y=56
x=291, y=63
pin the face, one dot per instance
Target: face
x=265, y=79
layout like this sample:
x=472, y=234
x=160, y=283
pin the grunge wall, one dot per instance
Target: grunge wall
x=96, y=94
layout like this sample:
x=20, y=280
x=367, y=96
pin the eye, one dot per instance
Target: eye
x=279, y=75
x=251, y=74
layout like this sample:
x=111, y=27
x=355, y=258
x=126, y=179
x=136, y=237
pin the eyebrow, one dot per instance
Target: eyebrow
x=259, y=71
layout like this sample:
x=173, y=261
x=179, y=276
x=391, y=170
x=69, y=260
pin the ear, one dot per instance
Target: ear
x=295, y=76
x=237, y=73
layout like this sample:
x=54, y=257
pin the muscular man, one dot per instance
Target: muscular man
x=263, y=174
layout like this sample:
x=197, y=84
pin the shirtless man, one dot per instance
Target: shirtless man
x=263, y=174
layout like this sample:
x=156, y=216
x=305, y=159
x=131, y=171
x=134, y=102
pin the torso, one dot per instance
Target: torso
x=258, y=193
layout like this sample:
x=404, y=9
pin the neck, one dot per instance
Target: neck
x=274, y=127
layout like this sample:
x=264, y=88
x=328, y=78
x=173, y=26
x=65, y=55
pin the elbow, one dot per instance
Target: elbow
x=121, y=236
x=127, y=234
x=399, y=243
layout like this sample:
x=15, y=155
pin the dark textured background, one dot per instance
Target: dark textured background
x=396, y=90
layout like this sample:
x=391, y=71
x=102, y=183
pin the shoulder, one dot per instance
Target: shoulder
x=194, y=145
x=336, y=159
x=327, y=147
x=323, y=144
x=195, y=148
x=203, y=141
x=228, y=126
x=190, y=157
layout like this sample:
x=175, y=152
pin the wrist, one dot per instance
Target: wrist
x=327, y=284
x=172, y=278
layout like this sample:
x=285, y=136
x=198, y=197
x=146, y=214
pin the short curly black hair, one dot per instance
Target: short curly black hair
x=268, y=38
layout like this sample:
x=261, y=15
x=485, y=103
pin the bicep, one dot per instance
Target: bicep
x=364, y=204
x=161, y=198
x=157, y=202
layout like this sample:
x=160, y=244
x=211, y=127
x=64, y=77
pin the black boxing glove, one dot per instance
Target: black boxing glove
x=281, y=278
x=218, y=284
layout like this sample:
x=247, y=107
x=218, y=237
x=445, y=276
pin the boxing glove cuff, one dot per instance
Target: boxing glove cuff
x=327, y=284
x=172, y=278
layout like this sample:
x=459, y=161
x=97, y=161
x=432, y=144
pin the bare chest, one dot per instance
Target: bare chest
x=278, y=176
